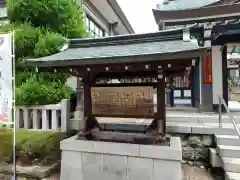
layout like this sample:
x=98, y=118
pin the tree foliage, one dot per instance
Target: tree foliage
x=41, y=28
x=49, y=44
x=61, y=16
x=51, y=90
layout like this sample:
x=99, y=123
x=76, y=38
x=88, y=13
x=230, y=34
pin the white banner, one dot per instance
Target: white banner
x=6, y=76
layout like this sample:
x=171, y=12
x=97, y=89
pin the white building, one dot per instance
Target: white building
x=102, y=18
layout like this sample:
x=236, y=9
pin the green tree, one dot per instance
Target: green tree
x=61, y=16
x=41, y=28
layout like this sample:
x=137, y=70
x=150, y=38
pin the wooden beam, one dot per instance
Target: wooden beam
x=119, y=68
x=161, y=109
x=124, y=116
x=87, y=96
x=118, y=75
x=124, y=84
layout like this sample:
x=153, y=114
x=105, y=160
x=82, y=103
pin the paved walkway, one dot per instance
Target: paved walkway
x=189, y=173
x=234, y=105
x=195, y=173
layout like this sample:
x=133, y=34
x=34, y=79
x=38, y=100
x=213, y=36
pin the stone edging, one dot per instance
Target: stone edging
x=172, y=152
x=29, y=172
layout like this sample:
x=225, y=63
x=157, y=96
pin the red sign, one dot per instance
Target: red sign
x=3, y=118
x=207, y=69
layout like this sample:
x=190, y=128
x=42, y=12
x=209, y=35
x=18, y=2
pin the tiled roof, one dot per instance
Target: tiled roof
x=183, y=4
x=117, y=47
x=121, y=50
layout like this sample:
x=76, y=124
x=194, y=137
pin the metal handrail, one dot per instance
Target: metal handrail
x=222, y=101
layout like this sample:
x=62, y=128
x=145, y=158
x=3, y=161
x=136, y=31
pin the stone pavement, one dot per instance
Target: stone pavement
x=189, y=173
x=196, y=173
x=55, y=176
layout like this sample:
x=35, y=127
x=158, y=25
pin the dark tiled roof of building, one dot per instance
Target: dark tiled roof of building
x=173, y=5
x=163, y=42
x=120, y=50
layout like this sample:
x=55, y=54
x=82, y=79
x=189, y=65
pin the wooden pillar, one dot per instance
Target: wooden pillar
x=192, y=85
x=171, y=92
x=158, y=125
x=225, y=74
x=161, y=106
x=91, y=124
x=87, y=97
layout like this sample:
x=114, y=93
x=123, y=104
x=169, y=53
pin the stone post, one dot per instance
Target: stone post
x=78, y=115
x=65, y=115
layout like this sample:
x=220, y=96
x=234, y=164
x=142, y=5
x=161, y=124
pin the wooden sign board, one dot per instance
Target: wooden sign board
x=122, y=101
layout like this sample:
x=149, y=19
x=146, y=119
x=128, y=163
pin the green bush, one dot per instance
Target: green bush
x=39, y=90
x=49, y=43
x=26, y=37
x=32, y=146
x=21, y=77
x=61, y=16
x=4, y=28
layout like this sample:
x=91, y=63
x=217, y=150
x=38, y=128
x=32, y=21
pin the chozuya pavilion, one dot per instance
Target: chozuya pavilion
x=143, y=64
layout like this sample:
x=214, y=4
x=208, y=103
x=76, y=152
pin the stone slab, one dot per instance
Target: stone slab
x=232, y=176
x=214, y=159
x=140, y=168
x=31, y=172
x=195, y=173
x=124, y=149
x=120, y=161
x=213, y=130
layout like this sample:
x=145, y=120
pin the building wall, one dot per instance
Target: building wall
x=102, y=20
x=94, y=19
x=107, y=17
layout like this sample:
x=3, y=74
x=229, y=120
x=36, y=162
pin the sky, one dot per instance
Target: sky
x=139, y=14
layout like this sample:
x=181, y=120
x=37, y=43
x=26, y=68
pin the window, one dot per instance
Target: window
x=93, y=28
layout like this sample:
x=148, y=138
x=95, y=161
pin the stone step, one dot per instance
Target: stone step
x=228, y=151
x=214, y=158
x=199, y=119
x=231, y=164
x=227, y=140
x=212, y=130
x=232, y=176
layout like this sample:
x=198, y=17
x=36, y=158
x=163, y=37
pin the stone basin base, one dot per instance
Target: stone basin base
x=96, y=160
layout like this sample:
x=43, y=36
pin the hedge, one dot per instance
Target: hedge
x=43, y=88
x=33, y=147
